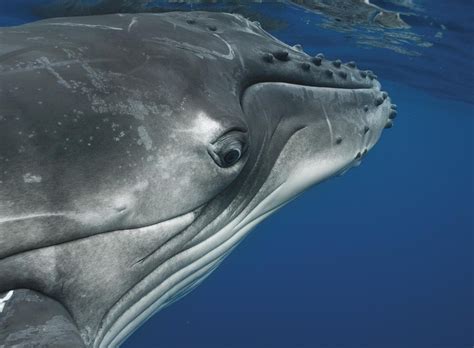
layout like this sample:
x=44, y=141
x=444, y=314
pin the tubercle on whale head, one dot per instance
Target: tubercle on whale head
x=313, y=71
x=270, y=60
x=293, y=66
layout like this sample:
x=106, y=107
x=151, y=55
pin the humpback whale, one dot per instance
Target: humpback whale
x=137, y=150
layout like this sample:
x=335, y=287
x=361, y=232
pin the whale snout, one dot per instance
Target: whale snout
x=327, y=115
x=339, y=91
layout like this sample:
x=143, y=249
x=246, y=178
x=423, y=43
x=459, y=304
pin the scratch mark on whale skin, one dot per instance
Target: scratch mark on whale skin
x=31, y=216
x=198, y=50
x=47, y=65
x=328, y=121
x=5, y=299
x=132, y=23
x=231, y=54
x=83, y=25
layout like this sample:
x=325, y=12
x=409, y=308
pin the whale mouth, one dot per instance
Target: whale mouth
x=344, y=113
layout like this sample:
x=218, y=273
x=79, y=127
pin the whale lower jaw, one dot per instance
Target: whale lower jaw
x=200, y=260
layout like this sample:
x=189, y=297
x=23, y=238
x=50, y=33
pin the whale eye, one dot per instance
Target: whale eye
x=232, y=156
x=229, y=148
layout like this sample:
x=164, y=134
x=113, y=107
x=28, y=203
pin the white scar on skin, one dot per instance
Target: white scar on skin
x=98, y=26
x=5, y=299
x=197, y=50
x=132, y=23
x=328, y=121
x=230, y=55
x=31, y=216
x=50, y=68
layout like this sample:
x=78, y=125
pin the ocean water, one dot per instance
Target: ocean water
x=380, y=257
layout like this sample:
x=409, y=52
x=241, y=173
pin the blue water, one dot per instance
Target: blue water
x=380, y=257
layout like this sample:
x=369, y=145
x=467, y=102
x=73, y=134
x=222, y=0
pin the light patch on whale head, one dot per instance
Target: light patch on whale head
x=203, y=125
x=31, y=178
x=145, y=139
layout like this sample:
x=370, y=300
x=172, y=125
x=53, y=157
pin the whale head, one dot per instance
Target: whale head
x=140, y=149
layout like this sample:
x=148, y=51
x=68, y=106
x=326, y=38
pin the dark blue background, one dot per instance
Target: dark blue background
x=381, y=257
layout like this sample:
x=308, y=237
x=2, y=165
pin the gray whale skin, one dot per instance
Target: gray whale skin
x=137, y=150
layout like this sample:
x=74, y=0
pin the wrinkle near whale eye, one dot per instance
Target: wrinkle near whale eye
x=229, y=149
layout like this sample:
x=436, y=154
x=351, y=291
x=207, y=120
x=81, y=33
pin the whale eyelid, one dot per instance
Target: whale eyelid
x=234, y=129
